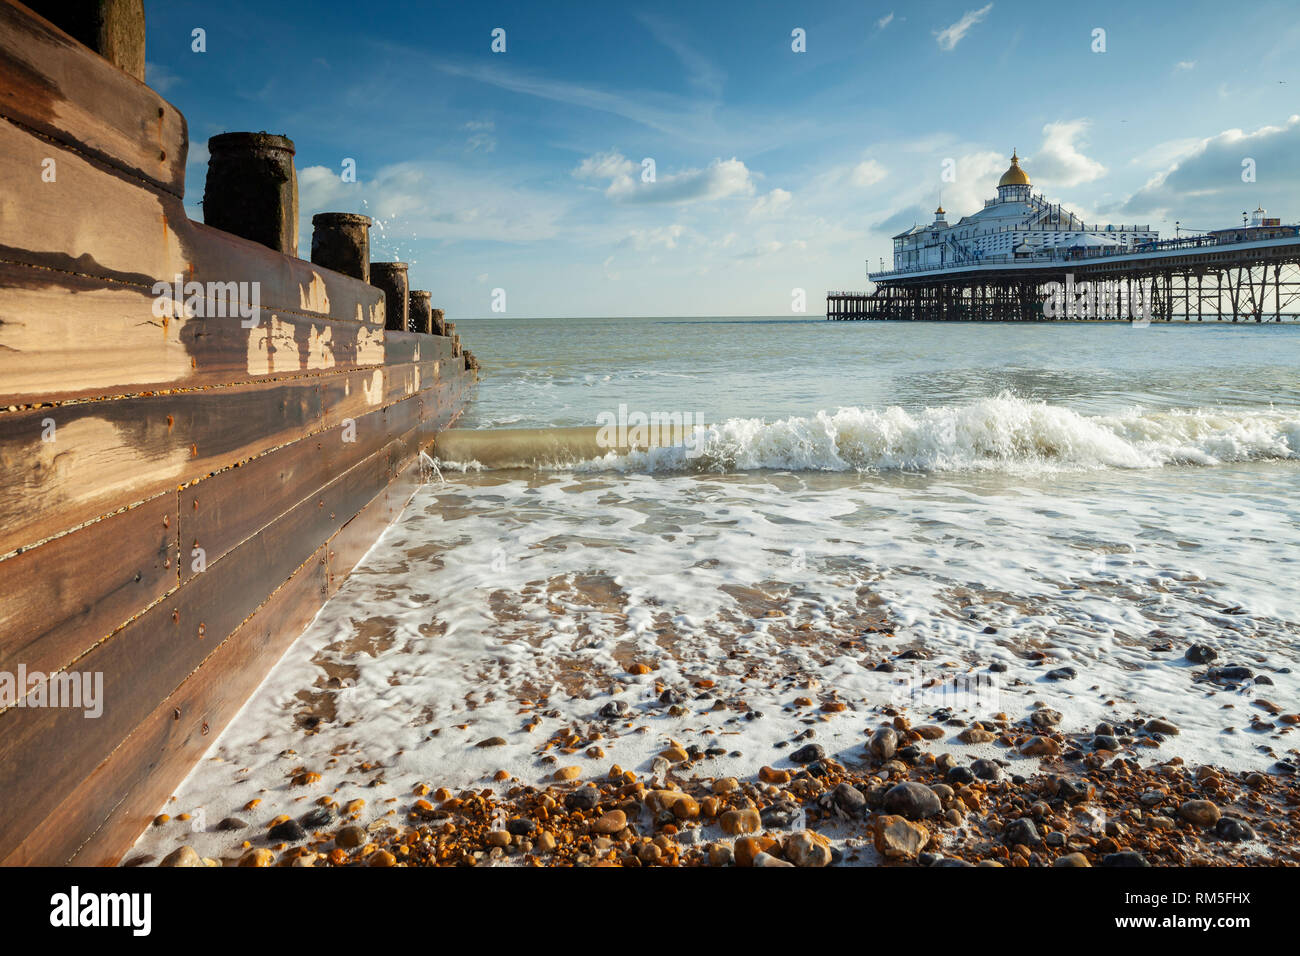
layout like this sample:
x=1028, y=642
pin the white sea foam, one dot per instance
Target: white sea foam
x=493, y=589
x=1006, y=433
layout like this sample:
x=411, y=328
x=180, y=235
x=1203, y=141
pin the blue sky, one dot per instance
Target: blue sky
x=774, y=169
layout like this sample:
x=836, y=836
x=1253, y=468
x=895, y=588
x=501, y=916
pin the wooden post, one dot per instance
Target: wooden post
x=421, y=312
x=341, y=241
x=438, y=322
x=392, y=278
x=252, y=189
x=112, y=28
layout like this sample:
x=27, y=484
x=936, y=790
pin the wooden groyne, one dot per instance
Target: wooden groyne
x=185, y=478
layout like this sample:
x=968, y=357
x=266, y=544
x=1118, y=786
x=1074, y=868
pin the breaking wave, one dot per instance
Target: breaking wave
x=1006, y=433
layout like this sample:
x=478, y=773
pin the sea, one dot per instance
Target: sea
x=939, y=520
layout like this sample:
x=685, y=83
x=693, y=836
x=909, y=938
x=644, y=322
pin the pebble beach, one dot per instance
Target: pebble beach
x=976, y=627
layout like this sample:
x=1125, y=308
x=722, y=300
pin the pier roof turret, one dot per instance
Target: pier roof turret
x=1014, y=176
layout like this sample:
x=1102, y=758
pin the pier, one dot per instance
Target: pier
x=1196, y=279
x=1024, y=258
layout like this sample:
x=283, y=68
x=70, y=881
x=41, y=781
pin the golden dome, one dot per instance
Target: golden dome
x=1014, y=176
x=939, y=211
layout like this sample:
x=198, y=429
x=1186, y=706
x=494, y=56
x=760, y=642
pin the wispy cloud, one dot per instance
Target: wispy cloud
x=480, y=137
x=719, y=180
x=700, y=70
x=950, y=36
x=667, y=114
x=1183, y=66
x=432, y=200
x=159, y=77
x=885, y=21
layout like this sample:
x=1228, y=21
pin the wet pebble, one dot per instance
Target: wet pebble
x=849, y=798
x=317, y=819
x=913, y=800
x=290, y=831
x=584, y=798
x=808, y=753
x=1021, y=831
x=1233, y=830
x=614, y=709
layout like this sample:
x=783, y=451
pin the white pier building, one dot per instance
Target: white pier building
x=1018, y=224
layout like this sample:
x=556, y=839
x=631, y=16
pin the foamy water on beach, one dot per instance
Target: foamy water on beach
x=1003, y=501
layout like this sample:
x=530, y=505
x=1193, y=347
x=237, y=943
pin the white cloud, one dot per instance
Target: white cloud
x=1165, y=154
x=1059, y=162
x=769, y=248
x=721, y=179
x=602, y=166
x=773, y=204
x=666, y=237
x=1183, y=66
x=867, y=173
x=885, y=21
x=1206, y=182
x=951, y=35
x=431, y=200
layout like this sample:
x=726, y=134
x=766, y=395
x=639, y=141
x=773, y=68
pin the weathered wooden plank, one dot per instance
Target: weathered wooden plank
x=97, y=819
x=349, y=546
x=220, y=512
x=401, y=348
x=42, y=749
x=64, y=336
x=447, y=404
x=149, y=239
x=438, y=347
x=407, y=478
x=55, y=224
x=64, y=465
x=286, y=284
x=360, y=392
x=59, y=599
x=401, y=381
x=56, y=86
